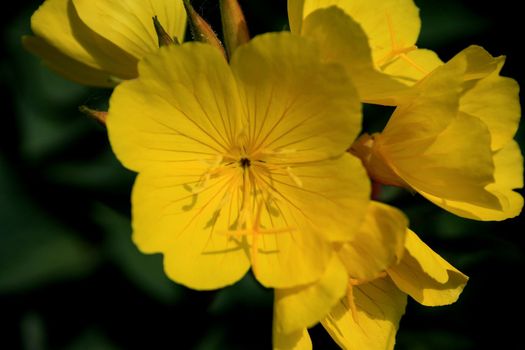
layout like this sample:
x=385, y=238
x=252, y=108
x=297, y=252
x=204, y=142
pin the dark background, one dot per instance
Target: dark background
x=70, y=278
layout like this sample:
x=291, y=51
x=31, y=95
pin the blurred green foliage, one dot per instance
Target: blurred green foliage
x=70, y=277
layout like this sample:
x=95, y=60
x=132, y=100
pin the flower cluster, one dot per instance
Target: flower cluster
x=253, y=157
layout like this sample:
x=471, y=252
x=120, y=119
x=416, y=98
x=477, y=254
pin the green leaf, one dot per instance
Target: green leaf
x=35, y=248
x=91, y=339
x=101, y=173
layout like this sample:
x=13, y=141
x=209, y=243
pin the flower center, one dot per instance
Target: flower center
x=244, y=162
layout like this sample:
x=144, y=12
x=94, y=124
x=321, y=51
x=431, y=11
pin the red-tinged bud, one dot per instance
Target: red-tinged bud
x=201, y=30
x=234, y=26
x=99, y=116
x=368, y=149
x=162, y=36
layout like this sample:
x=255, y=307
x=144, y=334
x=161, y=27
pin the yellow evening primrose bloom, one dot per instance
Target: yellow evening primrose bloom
x=425, y=276
x=375, y=40
x=244, y=164
x=378, y=245
x=451, y=140
x=99, y=43
x=368, y=316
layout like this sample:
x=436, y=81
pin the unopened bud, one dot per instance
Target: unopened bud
x=99, y=116
x=201, y=30
x=234, y=26
x=163, y=37
x=368, y=150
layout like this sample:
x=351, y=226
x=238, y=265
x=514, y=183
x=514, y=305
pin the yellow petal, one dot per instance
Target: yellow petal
x=298, y=340
x=343, y=41
x=508, y=175
x=479, y=62
x=128, y=23
x=295, y=15
x=412, y=66
x=295, y=255
x=392, y=27
x=57, y=22
x=457, y=166
x=184, y=106
x=65, y=65
x=494, y=99
x=426, y=276
x=379, y=307
x=302, y=307
x=379, y=244
x=295, y=105
x=188, y=227
x=426, y=111
x=431, y=148
x=389, y=24
x=509, y=166
x=315, y=211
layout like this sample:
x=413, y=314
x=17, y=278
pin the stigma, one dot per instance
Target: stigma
x=244, y=162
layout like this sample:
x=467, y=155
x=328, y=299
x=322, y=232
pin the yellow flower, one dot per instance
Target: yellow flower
x=99, y=43
x=368, y=316
x=451, y=140
x=378, y=245
x=241, y=165
x=375, y=40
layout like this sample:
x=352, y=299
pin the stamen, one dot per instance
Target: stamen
x=394, y=53
x=412, y=63
x=397, y=50
x=294, y=177
x=202, y=184
x=213, y=163
x=227, y=197
x=356, y=282
x=248, y=222
x=351, y=302
x=350, y=298
x=255, y=238
x=247, y=227
x=243, y=217
x=214, y=167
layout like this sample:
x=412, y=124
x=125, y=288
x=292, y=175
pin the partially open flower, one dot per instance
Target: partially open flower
x=375, y=40
x=99, y=43
x=451, y=140
x=378, y=245
x=387, y=263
